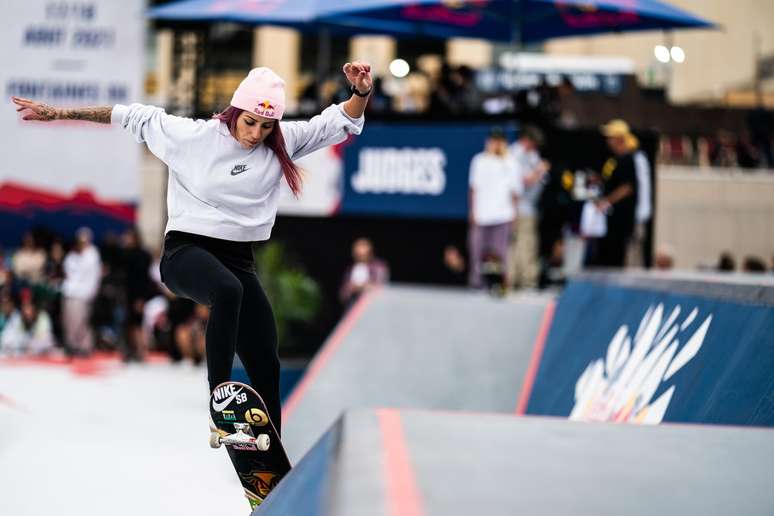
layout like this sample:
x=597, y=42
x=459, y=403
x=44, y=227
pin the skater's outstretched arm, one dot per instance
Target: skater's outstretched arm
x=40, y=112
x=167, y=136
x=359, y=76
x=336, y=122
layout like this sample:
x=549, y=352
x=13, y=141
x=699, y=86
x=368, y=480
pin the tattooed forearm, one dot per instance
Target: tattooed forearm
x=100, y=115
x=37, y=111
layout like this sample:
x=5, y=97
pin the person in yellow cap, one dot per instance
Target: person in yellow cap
x=619, y=197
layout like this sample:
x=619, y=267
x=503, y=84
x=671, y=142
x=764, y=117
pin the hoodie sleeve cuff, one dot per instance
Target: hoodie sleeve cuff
x=353, y=120
x=118, y=114
x=355, y=124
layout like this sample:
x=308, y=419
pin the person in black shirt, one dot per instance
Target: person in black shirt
x=619, y=196
x=136, y=262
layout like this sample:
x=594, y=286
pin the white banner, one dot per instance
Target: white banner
x=321, y=194
x=70, y=53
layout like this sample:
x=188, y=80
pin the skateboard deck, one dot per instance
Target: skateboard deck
x=253, y=444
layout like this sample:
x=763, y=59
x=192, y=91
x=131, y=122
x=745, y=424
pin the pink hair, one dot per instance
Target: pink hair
x=275, y=141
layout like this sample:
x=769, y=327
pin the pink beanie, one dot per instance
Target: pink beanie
x=262, y=92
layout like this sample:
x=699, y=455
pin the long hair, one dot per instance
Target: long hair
x=275, y=141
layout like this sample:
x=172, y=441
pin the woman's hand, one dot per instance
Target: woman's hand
x=359, y=75
x=35, y=110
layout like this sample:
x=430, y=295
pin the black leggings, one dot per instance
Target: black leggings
x=241, y=320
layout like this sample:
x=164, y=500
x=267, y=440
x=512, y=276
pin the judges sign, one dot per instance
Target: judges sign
x=411, y=170
x=419, y=171
x=65, y=174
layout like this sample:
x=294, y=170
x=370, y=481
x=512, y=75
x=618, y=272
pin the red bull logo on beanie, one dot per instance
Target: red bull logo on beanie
x=265, y=108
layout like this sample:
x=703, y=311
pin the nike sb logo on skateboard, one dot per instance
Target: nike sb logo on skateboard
x=223, y=396
x=238, y=169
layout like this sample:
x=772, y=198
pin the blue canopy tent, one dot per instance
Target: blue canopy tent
x=518, y=21
x=294, y=13
x=515, y=21
x=303, y=15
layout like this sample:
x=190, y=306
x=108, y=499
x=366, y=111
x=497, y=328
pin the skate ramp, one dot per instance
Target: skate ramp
x=410, y=347
x=425, y=463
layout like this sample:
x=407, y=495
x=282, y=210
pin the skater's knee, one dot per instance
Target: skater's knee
x=227, y=291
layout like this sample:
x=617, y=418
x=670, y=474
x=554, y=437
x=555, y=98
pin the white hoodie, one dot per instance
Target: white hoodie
x=216, y=187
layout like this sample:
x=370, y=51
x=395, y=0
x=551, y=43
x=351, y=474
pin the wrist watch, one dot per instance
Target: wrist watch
x=358, y=93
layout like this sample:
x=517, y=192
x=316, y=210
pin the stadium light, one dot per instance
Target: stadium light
x=678, y=54
x=662, y=53
x=399, y=68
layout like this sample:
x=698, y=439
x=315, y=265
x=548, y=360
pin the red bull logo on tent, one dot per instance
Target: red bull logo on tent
x=459, y=13
x=589, y=16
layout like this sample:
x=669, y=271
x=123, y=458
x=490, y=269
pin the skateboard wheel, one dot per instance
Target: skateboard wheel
x=215, y=440
x=262, y=442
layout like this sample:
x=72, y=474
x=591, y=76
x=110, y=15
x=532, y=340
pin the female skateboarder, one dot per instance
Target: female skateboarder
x=224, y=178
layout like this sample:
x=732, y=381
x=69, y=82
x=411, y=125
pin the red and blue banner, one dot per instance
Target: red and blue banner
x=66, y=174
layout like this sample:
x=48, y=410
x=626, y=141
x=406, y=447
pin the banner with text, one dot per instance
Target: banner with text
x=411, y=170
x=63, y=174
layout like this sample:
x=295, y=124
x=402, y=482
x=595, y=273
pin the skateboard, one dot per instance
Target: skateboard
x=242, y=425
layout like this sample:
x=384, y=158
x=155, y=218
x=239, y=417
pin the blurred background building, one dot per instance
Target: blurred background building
x=725, y=67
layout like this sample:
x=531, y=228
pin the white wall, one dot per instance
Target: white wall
x=703, y=212
x=717, y=60
x=152, y=209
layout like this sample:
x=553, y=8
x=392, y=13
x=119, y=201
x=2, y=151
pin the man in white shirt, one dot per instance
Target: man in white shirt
x=492, y=197
x=523, y=269
x=83, y=272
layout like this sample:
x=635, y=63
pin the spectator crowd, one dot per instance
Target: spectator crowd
x=73, y=298
x=448, y=91
x=453, y=91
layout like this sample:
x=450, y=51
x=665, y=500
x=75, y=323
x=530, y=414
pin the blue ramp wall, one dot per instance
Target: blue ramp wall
x=648, y=355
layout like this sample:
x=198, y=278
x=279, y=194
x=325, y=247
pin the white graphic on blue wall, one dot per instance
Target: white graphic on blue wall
x=620, y=386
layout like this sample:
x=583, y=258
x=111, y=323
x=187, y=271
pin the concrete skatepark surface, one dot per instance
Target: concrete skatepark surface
x=418, y=348
x=388, y=462
x=451, y=365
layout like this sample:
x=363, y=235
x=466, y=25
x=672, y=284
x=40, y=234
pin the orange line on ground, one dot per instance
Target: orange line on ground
x=11, y=403
x=537, y=355
x=403, y=498
x=100, y=362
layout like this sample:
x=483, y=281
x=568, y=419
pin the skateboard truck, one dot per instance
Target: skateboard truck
x=241, y=436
